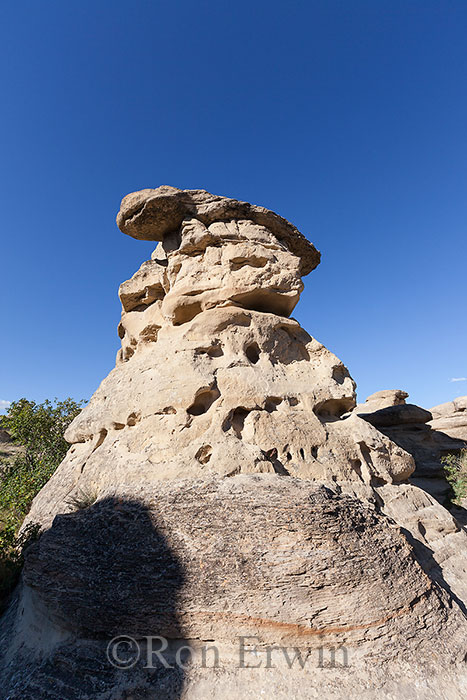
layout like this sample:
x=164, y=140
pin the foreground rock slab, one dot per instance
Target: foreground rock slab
x=253, y=562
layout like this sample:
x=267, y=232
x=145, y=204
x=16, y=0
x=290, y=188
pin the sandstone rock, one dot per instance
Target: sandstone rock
x=281, y=561
x=152, y=214
x=405, y=414
x=427, y=435
x=451, y=418
x=213, y=377
x=382, y=399
x=237, y=493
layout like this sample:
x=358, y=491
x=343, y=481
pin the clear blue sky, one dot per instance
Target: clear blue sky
x=348, y=118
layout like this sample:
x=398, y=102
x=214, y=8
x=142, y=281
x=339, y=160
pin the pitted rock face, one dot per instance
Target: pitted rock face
x=213, y=377
x=238, y=263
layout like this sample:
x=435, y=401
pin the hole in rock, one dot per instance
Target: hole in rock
x=118, y=426
x=271, y=454
x=214, y=350
x=132, y=419
x=302, y=453
x=237, y=318
x=253, y=261
x=333, y=409
x=357, y=466
x=183, y=314
x=149, y=334
x=252, y=352
x=100, y=440
x=340, y=373
x=203, y=401
x=288, y=456
x=121, y=331
x=204, y=454
x=271, y=404
x=293, y=401
x=168, y=409
x=236, y=420
x=314, y=452
x=267, y=301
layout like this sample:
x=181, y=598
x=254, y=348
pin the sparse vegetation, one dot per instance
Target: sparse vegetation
x=455, y=467
x=39, y=428
x=83, y=499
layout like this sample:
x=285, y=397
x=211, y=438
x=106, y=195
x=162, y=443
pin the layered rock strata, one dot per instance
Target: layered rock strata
x=451, y=418
x=427, y=435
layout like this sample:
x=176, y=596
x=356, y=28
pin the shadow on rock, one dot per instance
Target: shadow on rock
x=430, y=566
x=104, y=572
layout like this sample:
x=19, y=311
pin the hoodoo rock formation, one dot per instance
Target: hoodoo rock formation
x=237, y=494
x=213, y=377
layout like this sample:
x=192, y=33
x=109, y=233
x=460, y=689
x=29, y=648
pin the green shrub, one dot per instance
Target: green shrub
x=455, y=468
x=39, y=428
x=12, y=549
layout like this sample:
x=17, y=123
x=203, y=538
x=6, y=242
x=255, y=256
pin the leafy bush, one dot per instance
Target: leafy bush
x=455, y=467
x=12, y=549
x=39, y=428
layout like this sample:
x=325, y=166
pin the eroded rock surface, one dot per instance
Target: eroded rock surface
x=427, y=435
x=278, y=560
x=234, y=492
x=451, y=418
x=213, y=377
x=153, y=214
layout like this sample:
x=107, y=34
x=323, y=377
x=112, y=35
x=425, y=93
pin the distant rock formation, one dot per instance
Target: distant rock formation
x=238, y=494
x=426, y=435
x=451, y=418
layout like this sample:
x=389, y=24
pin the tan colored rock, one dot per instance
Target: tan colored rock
x=439, y=539
x=214, y=378
x=451, y=418
x=381, y=399
x=237, y=493
x=427, y=435
x=283, y=562
x=154, y=214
